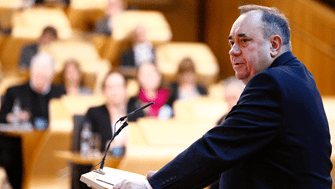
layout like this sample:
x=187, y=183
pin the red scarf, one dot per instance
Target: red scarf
x=161, y=99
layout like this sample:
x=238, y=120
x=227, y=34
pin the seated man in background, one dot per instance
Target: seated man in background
x=233, y=89
x=33, y=99
x=142, y=51
x=49, y=35
x=105, y=24
x=33, y=96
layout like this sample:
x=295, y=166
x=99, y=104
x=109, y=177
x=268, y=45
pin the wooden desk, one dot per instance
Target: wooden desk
x=75, y=157
x=29, y=143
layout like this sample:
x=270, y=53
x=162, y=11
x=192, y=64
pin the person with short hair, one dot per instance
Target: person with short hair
x=35, y=95
x=33, y=98
x=233, y=89
x=141, y=52
x=276, y=136
x=49, y=34
x=105, y=25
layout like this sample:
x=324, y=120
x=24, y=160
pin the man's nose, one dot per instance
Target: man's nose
x=235, y=50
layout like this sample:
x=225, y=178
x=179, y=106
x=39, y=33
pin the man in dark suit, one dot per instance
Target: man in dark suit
x=142, y=51
x=34, y=98
x=105, y=24
x=277, y=135
x=35, y=95
x=49, y=35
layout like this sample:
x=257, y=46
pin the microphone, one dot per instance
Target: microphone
x=102, y=162
x=135, y=111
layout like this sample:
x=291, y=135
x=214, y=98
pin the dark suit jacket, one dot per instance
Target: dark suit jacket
x=277, y=136
x=128, y=58
x=101, y=26
x=36, y=104
x=101, y=121
x=26, y=54
x=175, y=93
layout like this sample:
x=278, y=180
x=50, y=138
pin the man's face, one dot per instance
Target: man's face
x=249, y=53
x=140, y=34
x=41, y=78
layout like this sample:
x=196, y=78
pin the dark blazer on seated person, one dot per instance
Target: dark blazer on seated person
x=101, y=26
x=37, y=104
x=27, y=54
x=277, y=136
x=175, y=92
x=100, y=120
x=128, y=58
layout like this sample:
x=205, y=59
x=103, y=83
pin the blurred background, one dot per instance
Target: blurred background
x=101, y=36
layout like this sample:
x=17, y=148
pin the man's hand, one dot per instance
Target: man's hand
x=127, y=184
x=150, y=173
x=23, y=116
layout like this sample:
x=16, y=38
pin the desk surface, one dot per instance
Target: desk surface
x=30, y=139
x=75, y=157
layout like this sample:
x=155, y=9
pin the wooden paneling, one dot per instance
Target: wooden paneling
x=182, y=15
x=219, y=19
x=312, y=28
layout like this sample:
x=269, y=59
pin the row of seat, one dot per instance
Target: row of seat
x=99, y=53
x=168, y=56
x=152, y=142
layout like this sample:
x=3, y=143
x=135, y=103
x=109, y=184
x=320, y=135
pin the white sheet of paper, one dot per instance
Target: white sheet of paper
x=116, y=175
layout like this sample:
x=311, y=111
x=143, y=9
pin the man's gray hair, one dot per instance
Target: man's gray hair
x=41, y=60
x=275, y=23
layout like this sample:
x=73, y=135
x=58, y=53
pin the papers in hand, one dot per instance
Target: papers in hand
x=114, y=176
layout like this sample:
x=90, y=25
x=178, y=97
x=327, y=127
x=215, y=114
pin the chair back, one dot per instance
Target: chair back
x=78, y=121
x=30, y=23
x=169, y=55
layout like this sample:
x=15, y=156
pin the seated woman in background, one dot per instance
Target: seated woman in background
x=186, y=86
x=102, y=120
x=72, y=79
x=150, y=81
x=103, y=117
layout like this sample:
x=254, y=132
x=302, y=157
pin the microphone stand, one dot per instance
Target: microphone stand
x=103, y=159
x=102, y=162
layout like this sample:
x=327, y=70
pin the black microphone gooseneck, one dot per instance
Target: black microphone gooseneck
x=135, y=111
x=102, y=162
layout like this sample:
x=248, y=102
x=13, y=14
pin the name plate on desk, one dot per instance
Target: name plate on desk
x=111, y=177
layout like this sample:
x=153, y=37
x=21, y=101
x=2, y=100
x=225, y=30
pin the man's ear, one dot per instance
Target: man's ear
x=276, y=44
